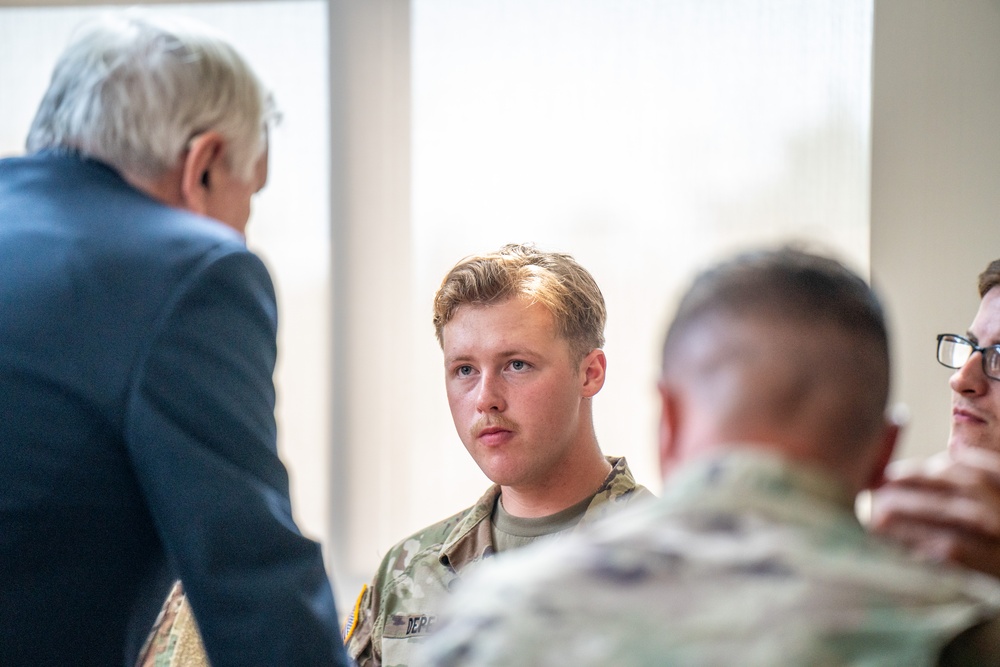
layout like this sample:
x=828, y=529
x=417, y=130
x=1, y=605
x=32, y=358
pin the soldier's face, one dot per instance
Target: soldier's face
x=975, y=414
x=514, y=390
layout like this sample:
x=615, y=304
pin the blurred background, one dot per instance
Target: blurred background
x=645, y=137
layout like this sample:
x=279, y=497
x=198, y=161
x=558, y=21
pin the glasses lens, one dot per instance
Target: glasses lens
x=991, y=362
x=953, y=351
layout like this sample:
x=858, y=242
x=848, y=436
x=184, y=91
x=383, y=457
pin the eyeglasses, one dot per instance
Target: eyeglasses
x=953, y=351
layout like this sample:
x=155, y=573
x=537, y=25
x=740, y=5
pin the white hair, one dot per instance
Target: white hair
x=132, y=90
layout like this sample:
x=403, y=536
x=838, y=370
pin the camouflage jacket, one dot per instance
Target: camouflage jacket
x=746, y=560
x=399, y=609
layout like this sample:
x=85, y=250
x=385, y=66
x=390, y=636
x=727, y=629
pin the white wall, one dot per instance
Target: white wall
x=935, y=194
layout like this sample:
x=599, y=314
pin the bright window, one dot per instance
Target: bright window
x=643, y=137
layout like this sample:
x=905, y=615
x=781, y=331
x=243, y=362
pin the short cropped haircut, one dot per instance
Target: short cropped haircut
x=132, y=89
x=989, y=278
x=554, y=280
x=789, y=284
x=804, y=290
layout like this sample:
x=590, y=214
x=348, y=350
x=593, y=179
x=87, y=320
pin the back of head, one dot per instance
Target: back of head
x=785, y=348
x=555, y=280
x=132, y=89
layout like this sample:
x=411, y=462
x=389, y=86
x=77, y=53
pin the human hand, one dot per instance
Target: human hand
x=946, y=508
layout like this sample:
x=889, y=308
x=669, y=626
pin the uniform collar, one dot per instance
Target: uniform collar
x=471, y=540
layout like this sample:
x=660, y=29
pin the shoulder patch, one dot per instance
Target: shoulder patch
x=352, y=621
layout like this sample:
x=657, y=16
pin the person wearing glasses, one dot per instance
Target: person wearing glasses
x=948, y=508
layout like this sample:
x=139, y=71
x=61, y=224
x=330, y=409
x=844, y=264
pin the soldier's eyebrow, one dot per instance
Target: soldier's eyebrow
x=514, y=352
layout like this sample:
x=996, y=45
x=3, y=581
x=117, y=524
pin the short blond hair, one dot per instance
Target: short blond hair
x=554, y=280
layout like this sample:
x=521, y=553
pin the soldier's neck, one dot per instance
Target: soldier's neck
x=558, y=489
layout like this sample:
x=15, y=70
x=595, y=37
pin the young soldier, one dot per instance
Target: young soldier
x=521, y=332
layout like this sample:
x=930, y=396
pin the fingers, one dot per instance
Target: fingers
x=941, y=544
x=944, y=508
x=970, y=509
x=944, y=464
x=906, y=468
x=944, y=490
x=985, y=460
x=927, y=540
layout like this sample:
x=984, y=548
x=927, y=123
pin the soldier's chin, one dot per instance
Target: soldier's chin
x=503, y=475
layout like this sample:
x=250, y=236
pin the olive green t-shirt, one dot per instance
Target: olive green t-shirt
x=513, y=532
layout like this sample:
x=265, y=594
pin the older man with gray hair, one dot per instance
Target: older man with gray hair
x=137, y=345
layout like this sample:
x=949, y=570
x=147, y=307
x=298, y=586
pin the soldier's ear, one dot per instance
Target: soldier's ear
x=885, y=448
x=669, y=431
x=594, y=366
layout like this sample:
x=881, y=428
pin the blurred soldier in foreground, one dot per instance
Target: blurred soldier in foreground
x=774, y=386
x=137, y=346
x=949, y=507
x=521, y=332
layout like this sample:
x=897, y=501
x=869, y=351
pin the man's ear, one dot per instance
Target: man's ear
x=594, y=367
x=886, y=447
x=204, y=154
x=669, y=428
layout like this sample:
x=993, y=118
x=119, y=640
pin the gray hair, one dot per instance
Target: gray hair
x=132, y=90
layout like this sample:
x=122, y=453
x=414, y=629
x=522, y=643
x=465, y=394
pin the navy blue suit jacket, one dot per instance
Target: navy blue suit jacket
x=137, y=432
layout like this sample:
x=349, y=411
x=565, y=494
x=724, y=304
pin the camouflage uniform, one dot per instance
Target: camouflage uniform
x=747, y=560
x=396, y=613
x=175, y=640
